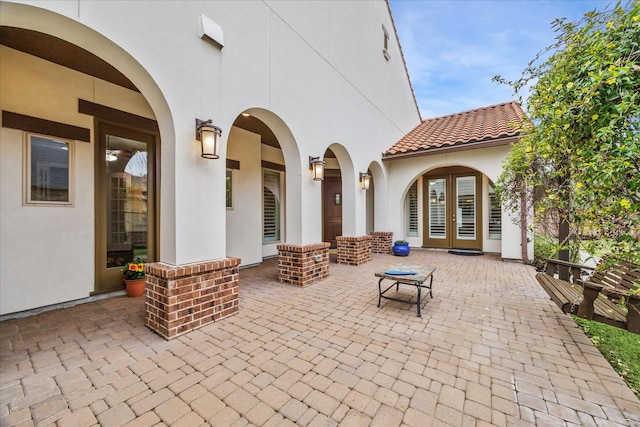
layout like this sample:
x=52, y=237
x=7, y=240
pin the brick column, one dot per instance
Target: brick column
x=182, y=298
x=381, y=242
x=303, y=265
x=354, y=250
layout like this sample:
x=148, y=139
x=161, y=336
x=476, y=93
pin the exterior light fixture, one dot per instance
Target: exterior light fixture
x=365, y=180
x=317, y=166
x=111, y=156
x=338, y=198
x=209, y=136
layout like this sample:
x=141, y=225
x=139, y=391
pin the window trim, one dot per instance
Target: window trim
x=385, y=43
x=229, y=190
x=26, y=193
x=278, y=198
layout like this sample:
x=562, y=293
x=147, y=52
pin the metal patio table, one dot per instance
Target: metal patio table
x=411, y=278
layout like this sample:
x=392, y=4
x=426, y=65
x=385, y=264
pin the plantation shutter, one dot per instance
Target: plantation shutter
x=495, y=215
x=271, y=206
x=412, y=210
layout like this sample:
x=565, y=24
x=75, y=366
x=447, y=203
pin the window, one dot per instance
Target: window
x=229, y=188
x=495, y=215
x=48, y=170
x=270, y=206
x=412, y=210
x=385, y=45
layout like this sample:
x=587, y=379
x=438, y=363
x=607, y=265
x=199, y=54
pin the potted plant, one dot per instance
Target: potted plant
x=133, y=272
x=401, y=248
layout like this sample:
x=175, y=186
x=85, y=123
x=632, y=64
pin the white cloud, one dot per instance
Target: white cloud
x=454, y=48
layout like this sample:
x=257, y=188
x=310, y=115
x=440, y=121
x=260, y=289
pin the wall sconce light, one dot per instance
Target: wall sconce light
x=111, y=156
x=317, y=166
x=365, y=181
x=208, y=135
x=338, y=198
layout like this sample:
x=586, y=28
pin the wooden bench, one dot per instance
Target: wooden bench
x=597, y=295
x=616, y=278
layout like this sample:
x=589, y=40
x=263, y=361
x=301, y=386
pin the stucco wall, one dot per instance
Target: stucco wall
x=314, y=71
x=243, y=225
x=486, y=160
x=48, y=251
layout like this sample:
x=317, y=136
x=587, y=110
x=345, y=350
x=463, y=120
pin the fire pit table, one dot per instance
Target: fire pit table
x=410, y=278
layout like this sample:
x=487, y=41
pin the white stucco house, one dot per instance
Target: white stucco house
x=100, y=158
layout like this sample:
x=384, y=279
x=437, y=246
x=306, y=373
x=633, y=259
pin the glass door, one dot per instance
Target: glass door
x=437, y=224
x=452, y=207
x=466, y=203
x=125, y=203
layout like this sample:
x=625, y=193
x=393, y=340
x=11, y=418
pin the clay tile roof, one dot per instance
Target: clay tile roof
x=469, y=129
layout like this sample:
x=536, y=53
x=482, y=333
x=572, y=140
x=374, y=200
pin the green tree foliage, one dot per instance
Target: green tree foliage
x=582, y=95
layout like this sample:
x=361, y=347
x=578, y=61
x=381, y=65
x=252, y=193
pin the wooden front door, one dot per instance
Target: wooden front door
x=453, y=210
x=331, y=209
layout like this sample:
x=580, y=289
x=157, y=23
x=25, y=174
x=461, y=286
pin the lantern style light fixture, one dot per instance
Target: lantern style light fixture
x=317, y=166
x=365, y=180
x=209, y=136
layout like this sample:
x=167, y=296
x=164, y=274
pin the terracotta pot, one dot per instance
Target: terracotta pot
x=135, y=287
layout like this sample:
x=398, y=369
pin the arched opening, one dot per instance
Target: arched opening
x=114, y=217
x=332, y=199
x=453, y=207
x=340, y=190
x=260, y=150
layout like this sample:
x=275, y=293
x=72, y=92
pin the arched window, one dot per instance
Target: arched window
x=412, y=210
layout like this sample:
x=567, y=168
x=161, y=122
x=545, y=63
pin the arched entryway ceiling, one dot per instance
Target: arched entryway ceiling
x=378, y=173
x=275, y=132
x=61, y=52
x=252, y=124
x=66, y=42
x=349, y=186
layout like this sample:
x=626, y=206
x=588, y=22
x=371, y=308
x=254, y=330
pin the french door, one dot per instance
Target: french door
x=453, y=211
x=125, y=202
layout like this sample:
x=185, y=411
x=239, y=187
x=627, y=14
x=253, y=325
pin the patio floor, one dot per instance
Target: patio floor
x=490, y=349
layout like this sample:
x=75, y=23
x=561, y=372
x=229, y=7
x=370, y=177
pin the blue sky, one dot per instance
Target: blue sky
x=453, y=48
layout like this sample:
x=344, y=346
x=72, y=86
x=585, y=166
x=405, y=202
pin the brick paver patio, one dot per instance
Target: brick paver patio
x=490, y=349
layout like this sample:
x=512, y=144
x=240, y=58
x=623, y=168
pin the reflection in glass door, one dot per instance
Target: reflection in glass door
x=436, y=233
x=125, y=203
x=466, y=207
x=437, y=209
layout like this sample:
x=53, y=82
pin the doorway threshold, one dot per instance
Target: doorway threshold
x=466, y=252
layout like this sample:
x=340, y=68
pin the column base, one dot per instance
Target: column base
x=381, y=242
x=303, y=265
x=182, y=298
x=354, y=250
